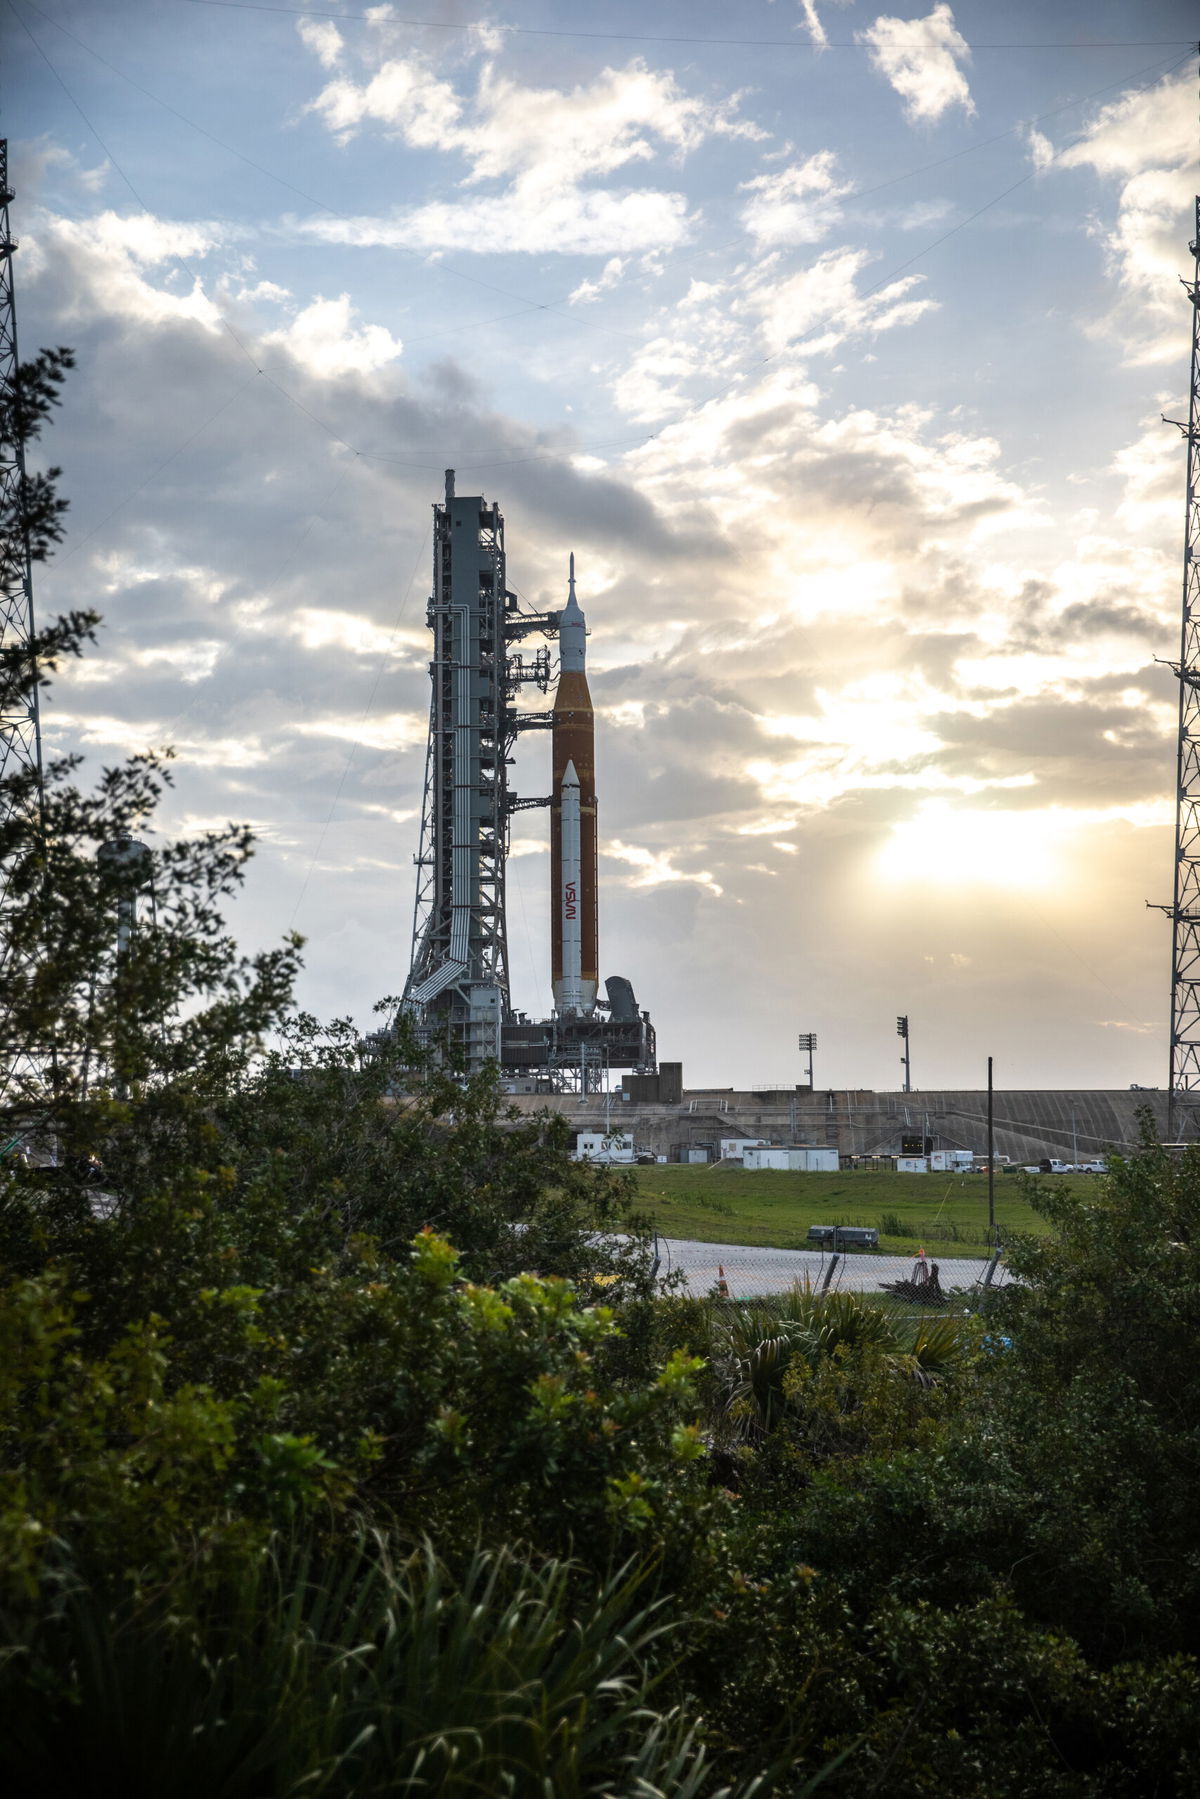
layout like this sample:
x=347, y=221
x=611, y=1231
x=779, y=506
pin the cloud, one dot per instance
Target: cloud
x=404, y=96
x=704, y=342
x=819, y=600
x=795, y=205
x=109, y=255
x=920, y=58
x=323, y=340
x=816, y=30
x=1146, y=141
x=575, y=222
x=654, y=867
x=544, y=143
x=609, y=277
x=323, y=38
x=825, y=298
x=1041, y=150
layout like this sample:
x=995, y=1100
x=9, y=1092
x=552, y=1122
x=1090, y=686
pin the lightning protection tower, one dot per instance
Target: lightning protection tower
x=458, y=989
x=20, y=723
x=1184, y=910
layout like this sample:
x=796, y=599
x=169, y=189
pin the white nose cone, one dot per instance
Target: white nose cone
x=572, y=632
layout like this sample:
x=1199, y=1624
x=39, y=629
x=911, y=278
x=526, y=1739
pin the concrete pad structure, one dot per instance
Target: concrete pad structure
x=1030, y=1126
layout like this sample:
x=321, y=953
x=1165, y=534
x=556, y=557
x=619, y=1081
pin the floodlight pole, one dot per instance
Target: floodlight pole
x=902, y=1031
x=807, y=1041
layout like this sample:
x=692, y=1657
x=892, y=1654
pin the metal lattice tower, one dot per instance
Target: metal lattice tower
x=458, y=980
x=20, y=723
x=1184, y=910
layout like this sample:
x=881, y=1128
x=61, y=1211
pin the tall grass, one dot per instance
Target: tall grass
x=360, y=1676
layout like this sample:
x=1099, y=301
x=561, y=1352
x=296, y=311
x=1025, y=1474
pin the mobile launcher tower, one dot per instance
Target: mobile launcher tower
x=457, y=992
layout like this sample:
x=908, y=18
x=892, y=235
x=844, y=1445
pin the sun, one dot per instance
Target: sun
x=950, y=846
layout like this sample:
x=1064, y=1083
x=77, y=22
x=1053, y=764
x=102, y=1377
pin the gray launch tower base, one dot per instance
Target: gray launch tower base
x=457, y=994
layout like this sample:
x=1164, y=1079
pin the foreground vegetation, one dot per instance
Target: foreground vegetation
x=347, y=1448
x=773, y=1208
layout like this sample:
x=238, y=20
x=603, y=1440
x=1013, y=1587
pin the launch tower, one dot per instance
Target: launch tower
x=457, y=992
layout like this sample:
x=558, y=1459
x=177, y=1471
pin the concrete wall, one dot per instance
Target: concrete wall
x=1030, y=1125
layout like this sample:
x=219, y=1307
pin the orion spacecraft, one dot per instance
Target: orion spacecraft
x=458, y=992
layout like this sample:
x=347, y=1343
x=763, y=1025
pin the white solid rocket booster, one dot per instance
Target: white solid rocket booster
x=573, y=930
x=569, y=989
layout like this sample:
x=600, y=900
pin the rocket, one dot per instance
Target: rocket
x=573, y=880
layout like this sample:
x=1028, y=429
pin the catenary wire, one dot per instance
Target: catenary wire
x=528, y=305
x=793, y=350
x=625, y=442
x=458, y=274
x=634, y=37
x=531, y=306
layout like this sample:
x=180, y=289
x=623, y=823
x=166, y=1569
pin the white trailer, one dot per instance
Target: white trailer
x=604, y=1146
x=952, y=1161
x=912, y=1165
x=798, y=1159
x=765, y=1156
x=732, y=1148
x=818, y=1161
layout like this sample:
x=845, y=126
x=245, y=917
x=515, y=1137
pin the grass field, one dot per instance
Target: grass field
x=945, y=1214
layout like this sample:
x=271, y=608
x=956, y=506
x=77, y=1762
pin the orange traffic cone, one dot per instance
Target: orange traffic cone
x=722, y=1283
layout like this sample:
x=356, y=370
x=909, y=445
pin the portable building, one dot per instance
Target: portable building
x=912, y=1165
x=796, y=1157
x=818, y=1161
x=732, y=1147
x=604, y=1146
x=952, y=1161
x=765, y=1156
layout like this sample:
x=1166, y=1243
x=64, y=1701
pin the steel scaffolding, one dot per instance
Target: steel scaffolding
x=458, y=987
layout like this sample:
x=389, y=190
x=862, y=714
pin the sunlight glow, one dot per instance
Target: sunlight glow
x=948, y=846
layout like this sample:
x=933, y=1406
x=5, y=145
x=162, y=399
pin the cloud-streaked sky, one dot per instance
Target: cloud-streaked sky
x=833, y=341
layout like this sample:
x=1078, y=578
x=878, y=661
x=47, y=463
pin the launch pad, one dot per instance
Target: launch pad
x=457, y=994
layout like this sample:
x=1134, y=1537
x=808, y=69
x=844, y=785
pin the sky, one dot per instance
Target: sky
x=834, y=341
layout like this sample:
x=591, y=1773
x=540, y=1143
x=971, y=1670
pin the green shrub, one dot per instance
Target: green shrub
x=354, y=1673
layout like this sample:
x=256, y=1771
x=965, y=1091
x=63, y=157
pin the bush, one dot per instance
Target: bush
x=354, y=1672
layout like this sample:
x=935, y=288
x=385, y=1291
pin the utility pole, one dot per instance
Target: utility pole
x=902, y=1031
x=991, y=1161
x=807, y=1041
x=1184, y=910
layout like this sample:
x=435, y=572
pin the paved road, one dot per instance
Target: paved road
x=749, y=1272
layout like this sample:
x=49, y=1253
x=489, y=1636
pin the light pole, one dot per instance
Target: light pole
x=807, y=1041
x=902, y=1031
